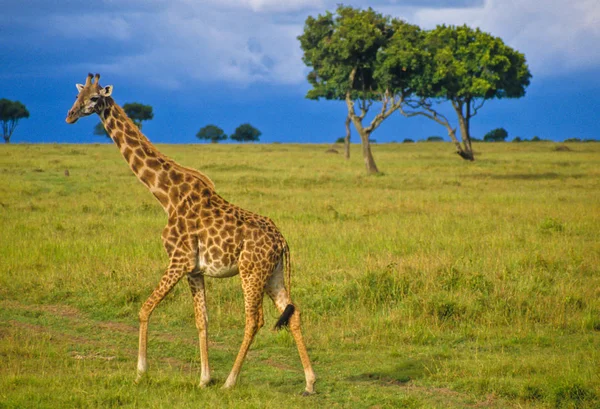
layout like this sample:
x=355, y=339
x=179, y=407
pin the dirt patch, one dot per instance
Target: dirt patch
x=280, y=365
x=489, y=402
x=54, y=309
x=117, y=326
x=92, y=355
x=61, y=310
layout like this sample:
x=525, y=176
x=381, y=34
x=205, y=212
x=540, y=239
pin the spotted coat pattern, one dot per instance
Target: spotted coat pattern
x=205, y=236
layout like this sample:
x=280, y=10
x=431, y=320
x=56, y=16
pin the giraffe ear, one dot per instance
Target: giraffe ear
x=106, y=91
x=79, y=87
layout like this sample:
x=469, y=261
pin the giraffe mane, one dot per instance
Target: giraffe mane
x=199, y=175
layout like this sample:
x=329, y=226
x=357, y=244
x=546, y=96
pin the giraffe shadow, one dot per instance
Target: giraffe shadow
x=398, y=375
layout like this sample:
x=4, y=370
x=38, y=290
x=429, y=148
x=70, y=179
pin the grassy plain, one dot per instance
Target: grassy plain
x=439, y=284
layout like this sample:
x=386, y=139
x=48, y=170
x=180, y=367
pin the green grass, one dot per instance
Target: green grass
x=438, y=284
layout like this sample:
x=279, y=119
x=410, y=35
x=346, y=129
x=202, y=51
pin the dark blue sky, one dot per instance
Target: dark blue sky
x=228, y=62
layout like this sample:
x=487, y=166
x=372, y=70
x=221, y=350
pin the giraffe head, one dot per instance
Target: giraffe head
x=91, y=98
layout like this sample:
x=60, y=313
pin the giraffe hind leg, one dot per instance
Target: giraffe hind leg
x=275, y=288
x=254, y=321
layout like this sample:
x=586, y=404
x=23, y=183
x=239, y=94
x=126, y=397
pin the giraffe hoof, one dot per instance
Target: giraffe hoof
x=139, y=378
x=307, y=393
x=205, y=384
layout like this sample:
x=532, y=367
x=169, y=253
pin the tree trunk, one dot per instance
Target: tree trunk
x=465, y=151
x=367, y=155
x=5, y=134
x=347, y=139
x=364, y=137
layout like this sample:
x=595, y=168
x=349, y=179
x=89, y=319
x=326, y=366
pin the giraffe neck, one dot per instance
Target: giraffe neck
x=160, y=174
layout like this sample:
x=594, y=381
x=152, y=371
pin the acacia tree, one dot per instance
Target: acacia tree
x=245, y=133
x=138, y=112
x=100, y=131
x=347, y=55
x=496, y=135
x=466, y=67
x=135, y=111
x=212, y=133
x=10, y=114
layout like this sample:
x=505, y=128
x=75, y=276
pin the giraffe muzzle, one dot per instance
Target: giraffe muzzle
x=71, y=118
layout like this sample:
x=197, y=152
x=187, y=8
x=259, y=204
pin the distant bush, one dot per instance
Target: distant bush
x=496, y=135
x=435, y=139
x=211, y=133
x=246, y=133
x=408, y=140
x=341, y=139
x=572, y=140
x=517, y=139
x=562, y=148
x=536, y=139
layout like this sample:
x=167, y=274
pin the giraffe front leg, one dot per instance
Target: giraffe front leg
x=199, y=295
x=167, y=282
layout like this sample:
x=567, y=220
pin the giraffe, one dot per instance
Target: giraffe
x=205, y=236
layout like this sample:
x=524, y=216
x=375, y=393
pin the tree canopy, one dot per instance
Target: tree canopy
x=138, y=112
x=351, y=59
x=363, y=58
x=466, y=67
x=100, y=131
x=212, y=133
x=10, y=114
x=135, y=111
x=496, y=135
x=246, y=133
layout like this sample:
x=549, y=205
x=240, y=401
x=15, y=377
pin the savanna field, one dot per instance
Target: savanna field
x=438, y=284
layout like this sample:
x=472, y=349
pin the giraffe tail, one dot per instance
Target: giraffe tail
x=287, y=269
x=289, y=309
x=285, y=317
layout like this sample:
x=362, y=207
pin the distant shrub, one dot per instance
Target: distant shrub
x=496, y=135
x=435, y=139
x=562, y=148
x=517, y=139
x=340, y=140
x=572, y=140
x=408, y=140
x=536, y=139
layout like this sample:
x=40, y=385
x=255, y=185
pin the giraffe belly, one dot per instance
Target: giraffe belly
x=217, y=268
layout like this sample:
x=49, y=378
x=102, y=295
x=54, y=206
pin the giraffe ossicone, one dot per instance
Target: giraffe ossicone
x=205, y=236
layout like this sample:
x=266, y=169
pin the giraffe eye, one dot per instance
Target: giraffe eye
x=94, y=98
